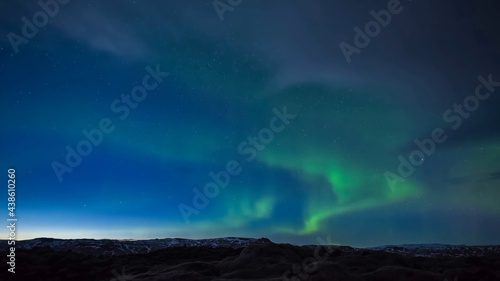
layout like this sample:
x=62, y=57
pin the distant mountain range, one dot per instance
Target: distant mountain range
x=439, y=250
x=110, y=247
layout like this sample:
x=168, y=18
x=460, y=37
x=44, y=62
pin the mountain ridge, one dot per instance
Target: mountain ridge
x=118, y=247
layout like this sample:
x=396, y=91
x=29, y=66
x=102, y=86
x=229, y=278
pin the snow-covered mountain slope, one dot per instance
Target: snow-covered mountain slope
x=107, y=247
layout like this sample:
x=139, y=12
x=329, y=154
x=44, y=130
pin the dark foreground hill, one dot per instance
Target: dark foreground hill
x=255, y=259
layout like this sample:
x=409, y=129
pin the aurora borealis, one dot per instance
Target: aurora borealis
x=321, y=175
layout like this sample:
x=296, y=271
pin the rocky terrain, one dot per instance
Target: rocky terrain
x=245, y=259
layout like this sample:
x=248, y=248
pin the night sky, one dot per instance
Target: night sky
x=303, y=121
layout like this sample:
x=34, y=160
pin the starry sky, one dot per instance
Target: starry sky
x=219, y=76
